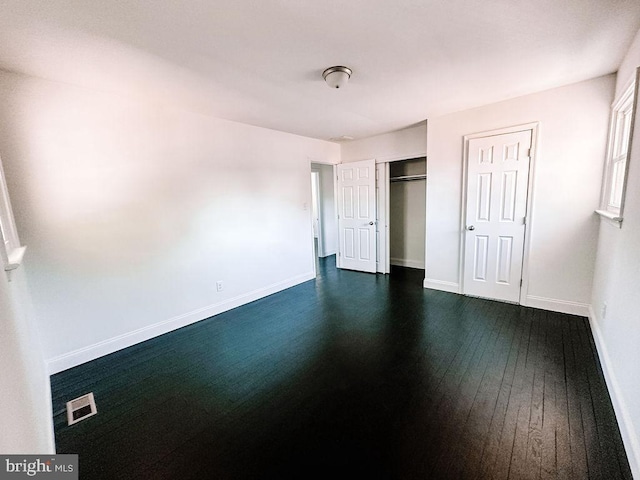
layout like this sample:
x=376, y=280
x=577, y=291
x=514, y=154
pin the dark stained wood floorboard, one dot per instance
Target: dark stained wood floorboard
x=576, y=430
x=503, y=455
x=460, y=386
x=466, y=397
x=492, y=439
x=564, y=468
x=550, y=398
x=518, y=467
x=351, y=375
x=453, y=388
x=533, y=460
x=594, y=460
x=486, y=404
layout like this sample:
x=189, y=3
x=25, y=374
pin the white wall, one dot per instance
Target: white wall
x=407, y=223
x=617, y=283
x=132, y=212
x=568, y=173
x=25, y=402
x=327, y=210
x=410, y=142
x=627, y=70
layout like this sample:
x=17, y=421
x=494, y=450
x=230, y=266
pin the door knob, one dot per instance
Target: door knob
x=370, y=223
x=471, y=227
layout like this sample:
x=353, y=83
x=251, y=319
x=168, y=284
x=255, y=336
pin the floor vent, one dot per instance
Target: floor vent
x=81, y=408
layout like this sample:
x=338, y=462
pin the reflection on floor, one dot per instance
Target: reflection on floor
x=352, y=375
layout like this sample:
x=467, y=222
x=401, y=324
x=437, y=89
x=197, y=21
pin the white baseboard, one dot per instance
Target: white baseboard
x=441, y=285
x=328, y=254
x=91, y=352
x=403, y=262
x=629, y=436
x=554, y=305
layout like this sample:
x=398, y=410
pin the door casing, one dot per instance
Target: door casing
x=317, y=205
x=529, y=219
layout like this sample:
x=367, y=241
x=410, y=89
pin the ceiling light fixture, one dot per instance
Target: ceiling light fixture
x=337, y=77
x=342, y=138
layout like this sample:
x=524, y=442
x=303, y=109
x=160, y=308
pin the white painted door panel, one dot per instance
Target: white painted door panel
x=382, y=250
x=496, y=208
x=357, y=215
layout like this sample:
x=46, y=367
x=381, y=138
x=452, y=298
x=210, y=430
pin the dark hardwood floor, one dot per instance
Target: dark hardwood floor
x=352, y=375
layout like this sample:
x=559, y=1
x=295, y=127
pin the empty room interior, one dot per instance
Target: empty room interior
x=284, y=239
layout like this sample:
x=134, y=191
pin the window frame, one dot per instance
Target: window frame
x=623, y=110
x=11, y=251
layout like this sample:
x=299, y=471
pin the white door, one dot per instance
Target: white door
x=382, y=207
x=315, y=203
x=357, y=215
x=496, y=208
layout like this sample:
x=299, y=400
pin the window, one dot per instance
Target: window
x=621, y=128
x=11, y=251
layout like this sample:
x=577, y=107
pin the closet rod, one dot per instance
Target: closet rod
x=408, y=178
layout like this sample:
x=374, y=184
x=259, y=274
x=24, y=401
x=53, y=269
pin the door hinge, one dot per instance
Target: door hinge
x=520, y=282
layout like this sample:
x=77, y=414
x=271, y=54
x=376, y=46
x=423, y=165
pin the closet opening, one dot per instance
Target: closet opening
x=407, y=215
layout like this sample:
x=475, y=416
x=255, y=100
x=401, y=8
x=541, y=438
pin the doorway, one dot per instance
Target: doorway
x=496, y=204
x=323, y=210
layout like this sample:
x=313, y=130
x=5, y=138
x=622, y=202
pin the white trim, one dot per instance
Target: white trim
x=392, y=158
x=382, y=211
x=610, y=218
x=11, y=252
x=403, y=262
x=629, y=94
x=609, y=215
x=535, y=138
x=398, y=158
x=14, y=258
x=91, y=352
x=441, y=285
x=556, y=305
x=329, y=253
x=314, y=254
x=336, y=214
x=322, y=161
x=629, y=436
x=501, y=131
x=531, y=193
x=317, y=179
x=387, y=216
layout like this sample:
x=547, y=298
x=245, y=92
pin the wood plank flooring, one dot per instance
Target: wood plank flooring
x=356, y=376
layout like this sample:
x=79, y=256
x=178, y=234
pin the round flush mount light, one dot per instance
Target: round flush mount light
x=337, y=77
x=342, y=138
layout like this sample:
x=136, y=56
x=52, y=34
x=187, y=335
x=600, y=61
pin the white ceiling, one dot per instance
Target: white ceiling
x=260, y=62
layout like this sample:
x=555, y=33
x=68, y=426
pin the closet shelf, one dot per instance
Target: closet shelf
x=408, y=178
